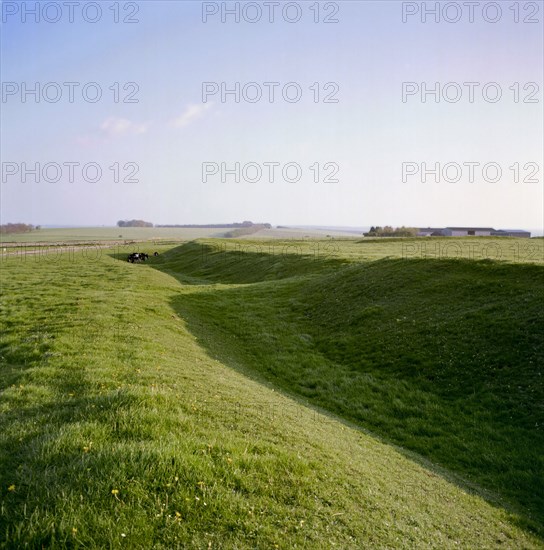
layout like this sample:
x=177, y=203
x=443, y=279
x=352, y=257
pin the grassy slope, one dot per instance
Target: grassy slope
x=105, y=388
x=443, y=357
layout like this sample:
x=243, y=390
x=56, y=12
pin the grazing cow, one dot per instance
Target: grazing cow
x=155, y=254
x=137, y=257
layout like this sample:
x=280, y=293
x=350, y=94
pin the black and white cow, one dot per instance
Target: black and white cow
x=137, y=257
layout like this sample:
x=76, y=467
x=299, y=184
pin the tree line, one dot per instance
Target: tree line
x=18, y=228
x=133, y=223
x=388, y=231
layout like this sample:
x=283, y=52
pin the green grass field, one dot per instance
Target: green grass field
x=274, y=394
x=97, y=234
x=110, y=234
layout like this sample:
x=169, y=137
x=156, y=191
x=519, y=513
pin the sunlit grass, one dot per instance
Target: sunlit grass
x=126, y=419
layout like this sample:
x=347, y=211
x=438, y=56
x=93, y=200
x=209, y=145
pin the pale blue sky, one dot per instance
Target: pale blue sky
x=369, y=133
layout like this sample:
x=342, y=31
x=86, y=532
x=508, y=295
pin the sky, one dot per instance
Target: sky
x=119, y=127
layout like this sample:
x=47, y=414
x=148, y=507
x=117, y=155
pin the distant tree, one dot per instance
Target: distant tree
x=406, y=231
x=134, y=223
x=388, y=231
x=16, y=228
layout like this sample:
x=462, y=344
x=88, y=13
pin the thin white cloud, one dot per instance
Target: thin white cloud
x=191, y=113
x=116, y=127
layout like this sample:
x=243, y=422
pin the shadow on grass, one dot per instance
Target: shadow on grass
x=272, y=333
x=225, y=262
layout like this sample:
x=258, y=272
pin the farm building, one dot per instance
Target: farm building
x=468, y=231
x=430, y=232
x=520, y=233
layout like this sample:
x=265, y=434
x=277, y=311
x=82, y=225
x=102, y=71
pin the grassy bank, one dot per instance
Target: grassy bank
x=141, y=407
x=443, y=357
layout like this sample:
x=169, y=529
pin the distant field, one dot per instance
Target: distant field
x=147, y=233
x=275, y=242
x=110, y=234
x=358, y=249
x=299, y=233
x=348, y=393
